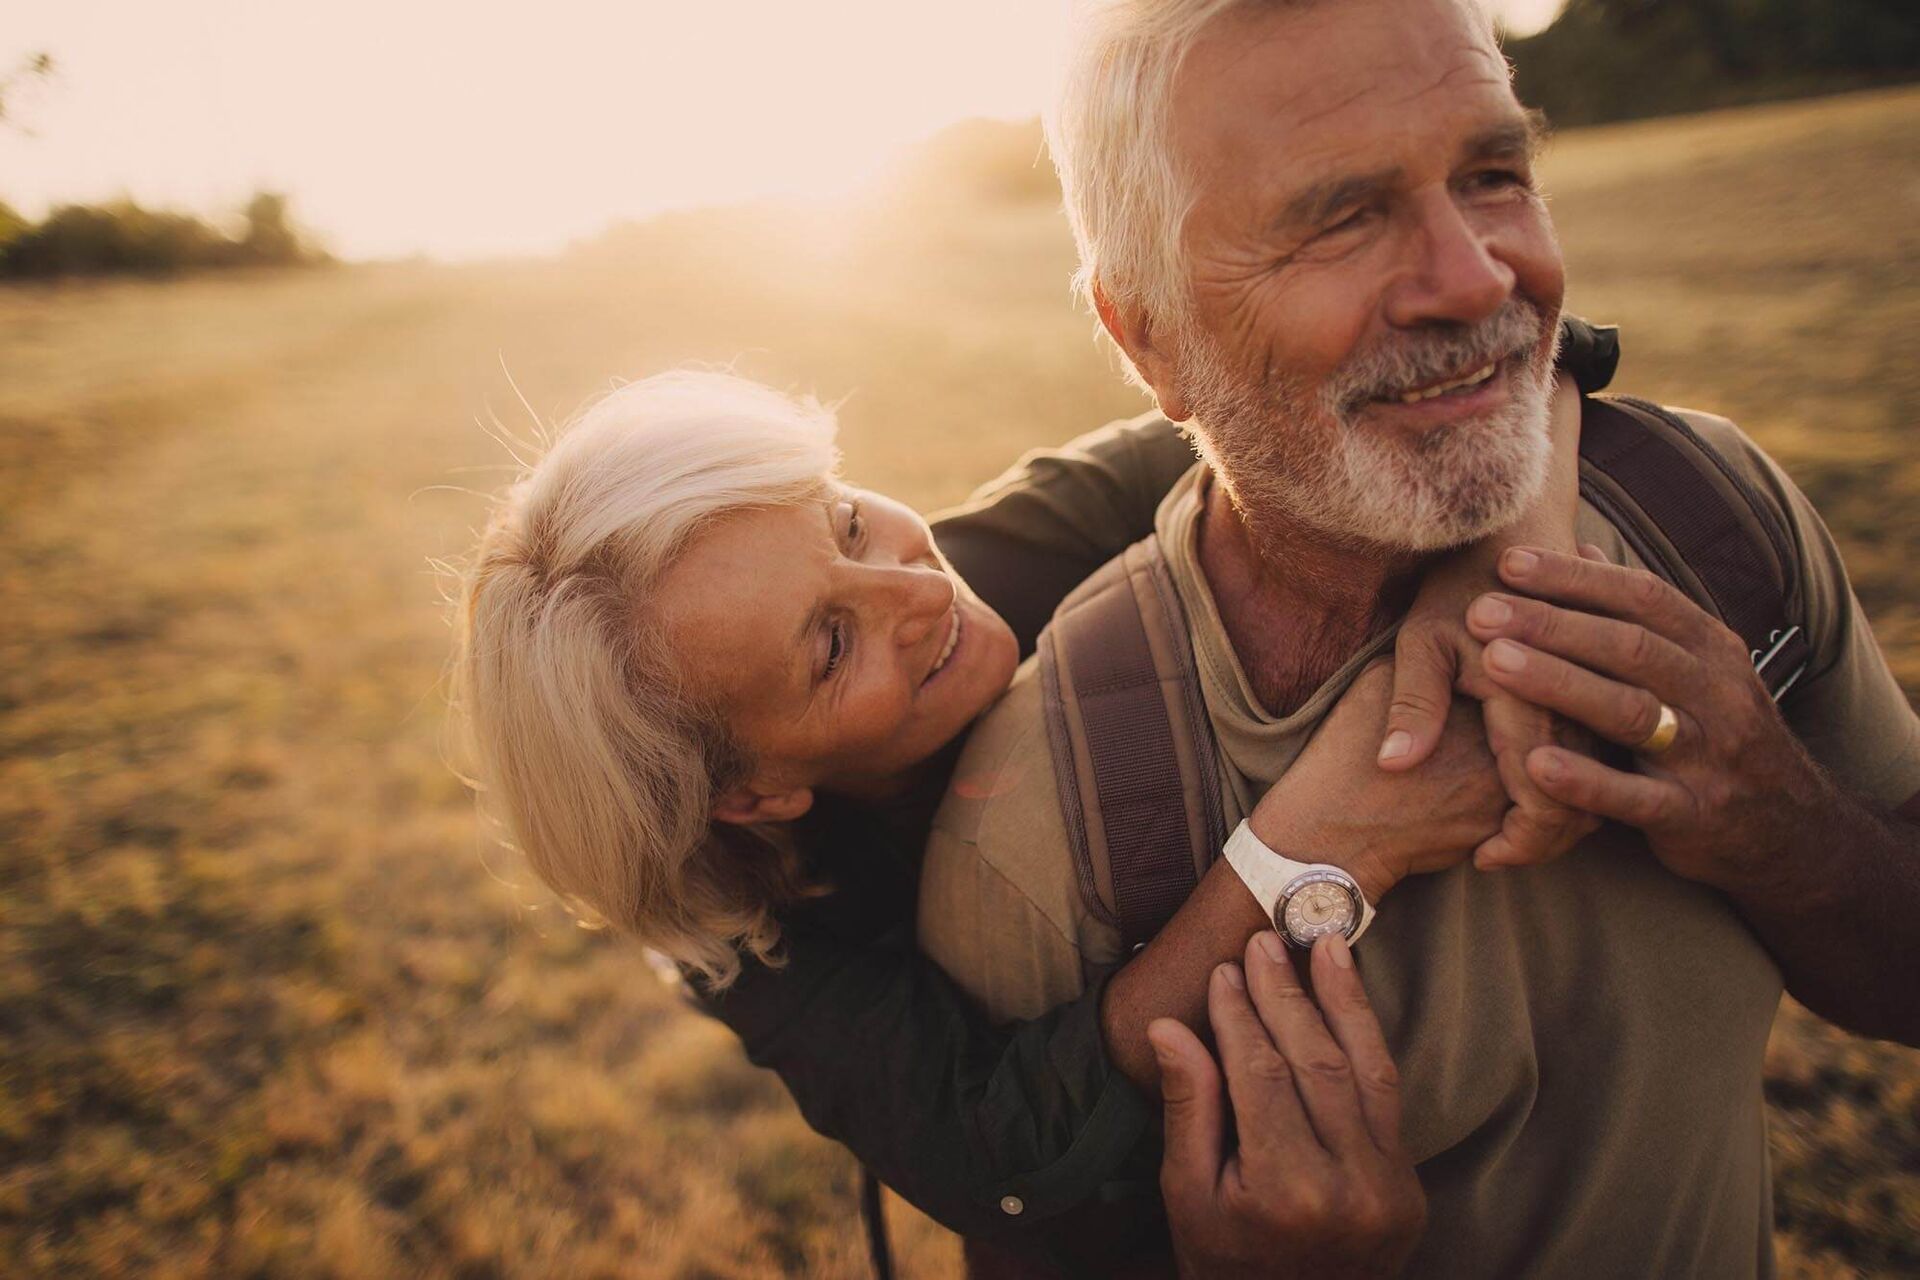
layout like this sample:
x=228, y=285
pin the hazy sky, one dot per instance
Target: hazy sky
x=464, y=129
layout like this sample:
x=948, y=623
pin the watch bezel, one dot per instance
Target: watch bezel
x=1319, y=875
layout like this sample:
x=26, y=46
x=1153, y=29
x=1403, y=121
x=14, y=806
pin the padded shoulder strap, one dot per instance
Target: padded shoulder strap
x=1133, y=753
x=1698, y=524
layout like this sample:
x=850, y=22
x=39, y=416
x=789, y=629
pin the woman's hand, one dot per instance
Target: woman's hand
x=1318, y=1185
x=1333, y=805
x=1435, y=654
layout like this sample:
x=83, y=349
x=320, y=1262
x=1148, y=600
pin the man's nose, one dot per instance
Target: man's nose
x=1456, y=276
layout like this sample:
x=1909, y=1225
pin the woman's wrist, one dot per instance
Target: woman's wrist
x=1306, y=841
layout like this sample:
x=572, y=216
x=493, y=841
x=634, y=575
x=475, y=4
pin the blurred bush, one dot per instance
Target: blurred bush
x=1626, y=59
x=123, y=237
x=978, y=162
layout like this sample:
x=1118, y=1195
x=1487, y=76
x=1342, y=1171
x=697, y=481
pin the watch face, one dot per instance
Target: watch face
x=1319, y=902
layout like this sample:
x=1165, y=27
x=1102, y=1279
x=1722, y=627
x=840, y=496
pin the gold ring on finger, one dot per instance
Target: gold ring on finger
x=1663, y=733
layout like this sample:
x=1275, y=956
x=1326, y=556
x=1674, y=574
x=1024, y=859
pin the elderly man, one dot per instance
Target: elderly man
x=1313, y=230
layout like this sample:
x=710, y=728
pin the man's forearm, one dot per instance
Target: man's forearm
x=1839, y=915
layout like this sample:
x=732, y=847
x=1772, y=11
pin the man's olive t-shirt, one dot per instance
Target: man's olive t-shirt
x=1580, y=1044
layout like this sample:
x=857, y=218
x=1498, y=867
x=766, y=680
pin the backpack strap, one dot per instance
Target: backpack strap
x=1133, y=753
x=1698, y=524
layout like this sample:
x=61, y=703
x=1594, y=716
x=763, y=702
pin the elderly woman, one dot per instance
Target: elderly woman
x=714, y=694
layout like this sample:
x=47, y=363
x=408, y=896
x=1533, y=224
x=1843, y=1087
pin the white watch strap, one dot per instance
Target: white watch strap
x=1268, y=875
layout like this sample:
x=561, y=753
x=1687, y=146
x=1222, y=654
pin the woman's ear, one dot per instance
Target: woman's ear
x=745, y=805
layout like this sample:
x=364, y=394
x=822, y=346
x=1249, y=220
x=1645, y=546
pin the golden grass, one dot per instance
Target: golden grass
x=269, y=1001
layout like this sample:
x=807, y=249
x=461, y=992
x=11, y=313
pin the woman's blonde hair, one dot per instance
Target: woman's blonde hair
x=590, y=748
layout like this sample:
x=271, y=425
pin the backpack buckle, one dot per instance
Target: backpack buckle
x=1777, y=642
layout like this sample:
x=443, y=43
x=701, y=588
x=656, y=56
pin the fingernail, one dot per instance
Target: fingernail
x=1234, y=978
x=1338, y=949
x=1505, y=655
x=1271, y=946
x=1398, y=743
x=1550, y=766
x=1521, y=563
x=1492, y=611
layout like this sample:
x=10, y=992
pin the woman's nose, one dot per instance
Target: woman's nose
x=918, y=598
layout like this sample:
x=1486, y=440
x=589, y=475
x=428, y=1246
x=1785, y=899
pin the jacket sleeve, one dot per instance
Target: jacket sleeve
x=990, y=1131
x=1026, y=539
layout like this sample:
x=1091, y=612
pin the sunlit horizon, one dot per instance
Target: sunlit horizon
x=404, y=128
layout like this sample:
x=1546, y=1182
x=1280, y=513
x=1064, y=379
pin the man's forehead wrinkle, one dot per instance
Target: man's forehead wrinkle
x=1333, y=107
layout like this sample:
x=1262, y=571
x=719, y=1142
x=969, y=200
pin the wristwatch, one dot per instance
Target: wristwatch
x=1304, y=899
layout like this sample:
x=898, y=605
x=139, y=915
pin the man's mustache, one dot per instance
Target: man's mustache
x=1401, y=362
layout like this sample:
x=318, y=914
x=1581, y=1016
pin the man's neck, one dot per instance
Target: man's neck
x=1296, y=606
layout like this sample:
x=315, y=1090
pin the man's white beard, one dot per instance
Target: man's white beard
x=1299, y=452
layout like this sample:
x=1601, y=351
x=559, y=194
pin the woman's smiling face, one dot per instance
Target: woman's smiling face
x=840, y=645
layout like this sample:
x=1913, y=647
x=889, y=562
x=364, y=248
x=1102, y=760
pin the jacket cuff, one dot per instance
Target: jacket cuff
x=1093, y=1167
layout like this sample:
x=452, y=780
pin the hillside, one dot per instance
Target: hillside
x=272, y=1003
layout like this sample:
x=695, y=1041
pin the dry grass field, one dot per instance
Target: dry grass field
x=271, y=1002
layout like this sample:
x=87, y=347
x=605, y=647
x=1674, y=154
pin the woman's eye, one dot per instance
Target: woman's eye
x=856, y=524
x=836, y=648
x=1352, y=222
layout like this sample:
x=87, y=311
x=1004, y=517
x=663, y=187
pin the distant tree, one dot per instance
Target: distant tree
x=125, y=237
x=34, y=68
x=270, y=237
x=1616, y=59
x=12, y=227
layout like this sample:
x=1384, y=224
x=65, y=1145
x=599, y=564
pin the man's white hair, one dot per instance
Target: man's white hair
x=1110, y=132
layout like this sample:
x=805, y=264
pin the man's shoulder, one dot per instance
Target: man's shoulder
x=1847, y=709
x=1762, y=477
x=1739, y=451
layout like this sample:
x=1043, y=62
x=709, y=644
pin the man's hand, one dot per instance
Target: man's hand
x=1606, y=646
x=1319, y=1186
x=1333, y=805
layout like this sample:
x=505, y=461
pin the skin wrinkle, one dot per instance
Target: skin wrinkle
x=1517, y=141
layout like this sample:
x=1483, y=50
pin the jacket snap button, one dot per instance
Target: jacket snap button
x=1012, y=1206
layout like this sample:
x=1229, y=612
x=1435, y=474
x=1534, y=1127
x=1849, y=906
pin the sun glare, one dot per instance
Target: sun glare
x=427, y=126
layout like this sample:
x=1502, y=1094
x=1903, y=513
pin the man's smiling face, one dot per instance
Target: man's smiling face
x=1375, y=282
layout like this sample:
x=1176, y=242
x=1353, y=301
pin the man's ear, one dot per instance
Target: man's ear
x=745, y=805
x=1132, y=330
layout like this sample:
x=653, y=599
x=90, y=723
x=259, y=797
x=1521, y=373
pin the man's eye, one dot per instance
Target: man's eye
x=1498, y=179
x=836, y=648
x=856, y=524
